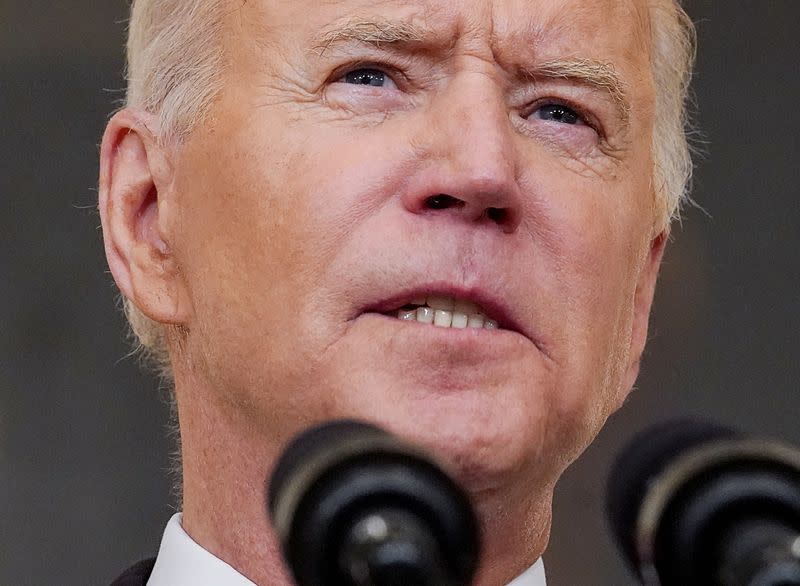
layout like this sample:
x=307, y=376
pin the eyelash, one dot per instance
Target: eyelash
x=390, y=70
x=585, y=117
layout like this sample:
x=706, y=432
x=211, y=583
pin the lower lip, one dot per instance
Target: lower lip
x=422, y=342
x=449, y=333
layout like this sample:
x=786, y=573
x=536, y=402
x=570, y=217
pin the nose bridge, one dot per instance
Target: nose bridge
x=469, y=155
x=477, y=138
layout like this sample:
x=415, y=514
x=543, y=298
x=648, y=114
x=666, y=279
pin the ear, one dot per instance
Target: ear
x=642, y=303
x=135, y=179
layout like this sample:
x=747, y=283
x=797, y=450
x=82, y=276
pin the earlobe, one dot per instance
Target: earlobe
x=135, y=177
x=643, y=302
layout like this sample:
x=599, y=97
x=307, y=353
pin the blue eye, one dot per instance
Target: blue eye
x=558, y=113
x=371, y=77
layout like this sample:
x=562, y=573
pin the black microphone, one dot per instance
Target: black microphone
x=355, y=506
x=695, y=504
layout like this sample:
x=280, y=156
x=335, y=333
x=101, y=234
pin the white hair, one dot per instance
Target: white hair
x=673, y=53
x=176, y=63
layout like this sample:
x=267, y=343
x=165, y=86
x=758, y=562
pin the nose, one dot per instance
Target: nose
x=466, y=149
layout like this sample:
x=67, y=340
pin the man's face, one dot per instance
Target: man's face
x=368, y=155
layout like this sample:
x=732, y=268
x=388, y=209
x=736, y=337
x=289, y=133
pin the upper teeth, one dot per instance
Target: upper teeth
x=446, y=312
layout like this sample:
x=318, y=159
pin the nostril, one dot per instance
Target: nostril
x=497, y=215
x=503, y=217
x=442, y=201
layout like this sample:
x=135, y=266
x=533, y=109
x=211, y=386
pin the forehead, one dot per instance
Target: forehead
x=618, y=27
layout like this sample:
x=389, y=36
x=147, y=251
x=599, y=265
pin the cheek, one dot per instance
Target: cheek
x=591, y=231
x=591, y=235
x=258, y=224
x=236, y=242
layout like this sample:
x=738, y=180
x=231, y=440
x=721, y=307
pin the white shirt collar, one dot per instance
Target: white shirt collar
x=182, y=562
x=533, y=576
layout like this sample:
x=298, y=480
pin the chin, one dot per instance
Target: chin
x=484, y=446
x=477, y=402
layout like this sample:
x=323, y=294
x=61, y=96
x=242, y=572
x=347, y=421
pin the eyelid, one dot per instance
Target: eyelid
x=390, y=70
x=587, y=117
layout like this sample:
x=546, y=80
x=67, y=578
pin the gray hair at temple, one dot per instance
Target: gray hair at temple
x=175, y=72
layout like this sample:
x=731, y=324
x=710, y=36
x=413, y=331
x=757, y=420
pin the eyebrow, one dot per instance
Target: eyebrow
x=371, y=31
x=588, y=72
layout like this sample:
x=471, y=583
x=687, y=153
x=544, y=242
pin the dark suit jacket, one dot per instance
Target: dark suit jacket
x=138, y=575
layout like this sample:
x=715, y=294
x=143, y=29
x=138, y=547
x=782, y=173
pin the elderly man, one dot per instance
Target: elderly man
x=443, y=217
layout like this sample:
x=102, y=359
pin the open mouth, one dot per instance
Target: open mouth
x=445, y=312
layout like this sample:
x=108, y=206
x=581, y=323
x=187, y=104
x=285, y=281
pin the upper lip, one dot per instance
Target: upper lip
x=495, y=308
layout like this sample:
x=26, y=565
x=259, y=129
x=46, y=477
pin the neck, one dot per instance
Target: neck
x=225, y=465
x=226, y=461
x=516, y=529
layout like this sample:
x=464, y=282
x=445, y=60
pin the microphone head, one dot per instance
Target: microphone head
x=646, y=456
x=317, y=446
x=333, y=480
x=692, y=503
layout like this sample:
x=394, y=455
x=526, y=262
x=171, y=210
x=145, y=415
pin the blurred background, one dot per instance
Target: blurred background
x=84, y=453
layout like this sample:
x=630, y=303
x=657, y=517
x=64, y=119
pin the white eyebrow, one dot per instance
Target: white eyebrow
x=374, y=31
x=589, y=72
